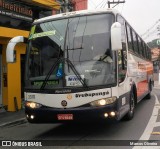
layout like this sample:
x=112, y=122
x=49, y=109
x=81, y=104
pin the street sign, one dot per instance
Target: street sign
x=158, y=42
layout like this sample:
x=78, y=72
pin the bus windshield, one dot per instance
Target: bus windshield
x=71, y=52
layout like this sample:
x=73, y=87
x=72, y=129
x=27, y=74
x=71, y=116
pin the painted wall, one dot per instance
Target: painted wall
x=4, y=71
x=80, y=4
x=14, y=79
x=11, y=73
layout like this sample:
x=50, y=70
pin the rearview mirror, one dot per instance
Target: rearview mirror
x=116, y=42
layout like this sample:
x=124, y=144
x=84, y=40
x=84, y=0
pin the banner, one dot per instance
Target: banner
x=39, y=143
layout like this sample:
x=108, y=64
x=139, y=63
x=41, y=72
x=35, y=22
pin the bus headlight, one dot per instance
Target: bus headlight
x=33, y=105
x=103, y=102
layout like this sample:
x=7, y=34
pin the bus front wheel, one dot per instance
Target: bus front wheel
x=131, y=111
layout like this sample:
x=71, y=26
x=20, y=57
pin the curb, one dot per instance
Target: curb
x=156, y=87
x=16, y=122
x=2, y=110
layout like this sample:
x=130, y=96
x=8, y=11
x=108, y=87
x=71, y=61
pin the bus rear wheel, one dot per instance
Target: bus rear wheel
x=131, y=111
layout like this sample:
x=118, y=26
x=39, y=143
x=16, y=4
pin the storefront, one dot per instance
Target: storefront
x=71, y=5
x=16, y=17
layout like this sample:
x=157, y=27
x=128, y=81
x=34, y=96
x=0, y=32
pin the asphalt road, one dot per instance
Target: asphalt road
x=146, y=119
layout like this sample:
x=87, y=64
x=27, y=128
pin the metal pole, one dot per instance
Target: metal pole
x=108, y=4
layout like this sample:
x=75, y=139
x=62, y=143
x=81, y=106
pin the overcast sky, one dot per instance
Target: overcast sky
x=141, y=14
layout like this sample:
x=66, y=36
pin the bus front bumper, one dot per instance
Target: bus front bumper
x=83, y=114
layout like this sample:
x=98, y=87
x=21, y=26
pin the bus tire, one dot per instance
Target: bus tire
x=131, y=111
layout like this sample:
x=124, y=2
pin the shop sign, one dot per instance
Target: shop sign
x=14, y=9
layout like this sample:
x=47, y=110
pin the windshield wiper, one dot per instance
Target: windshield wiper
x=49, y=73
x=73, y=68
x=54, y=66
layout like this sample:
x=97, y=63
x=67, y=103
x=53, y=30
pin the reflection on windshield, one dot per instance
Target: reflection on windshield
x=83, y=44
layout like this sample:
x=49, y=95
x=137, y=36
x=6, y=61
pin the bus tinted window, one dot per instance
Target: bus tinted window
x=148, y=53
x=144, y=50
x=130, y=47
x=122, y=54
x=135, y=42
x=143, y=54
x=140, y=47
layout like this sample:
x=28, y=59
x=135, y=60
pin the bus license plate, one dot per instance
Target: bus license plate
x=65, y=116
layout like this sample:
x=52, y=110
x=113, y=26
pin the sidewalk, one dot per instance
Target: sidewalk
x=13, y=118
x=156, y=85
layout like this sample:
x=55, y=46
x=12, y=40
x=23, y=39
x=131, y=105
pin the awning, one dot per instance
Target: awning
x=49, y=3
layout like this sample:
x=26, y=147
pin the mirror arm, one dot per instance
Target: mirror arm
x=10, y=48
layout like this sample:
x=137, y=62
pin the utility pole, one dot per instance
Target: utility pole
x=114, y=2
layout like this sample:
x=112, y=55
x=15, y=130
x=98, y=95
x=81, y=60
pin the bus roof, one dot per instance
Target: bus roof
x=75, y=13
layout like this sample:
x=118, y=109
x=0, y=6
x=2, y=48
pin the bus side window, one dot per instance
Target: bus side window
x=140, y=47
x=145, y=51
x=129, y=38
x=122, y=54
x=135, y=45
x=122, y=65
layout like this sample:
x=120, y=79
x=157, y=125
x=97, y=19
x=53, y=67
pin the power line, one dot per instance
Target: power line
x=91, y=1
x=152, y=27
x=114, y=2
x=122, y=8
x=105, y=4
x=100, y=4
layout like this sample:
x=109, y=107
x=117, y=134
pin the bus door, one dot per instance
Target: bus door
x=122, y=65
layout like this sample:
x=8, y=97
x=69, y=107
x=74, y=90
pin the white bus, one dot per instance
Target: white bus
x=82, y=66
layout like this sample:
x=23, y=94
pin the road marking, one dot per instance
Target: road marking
x=155, y=133
x=151, y=124
x=18, y=121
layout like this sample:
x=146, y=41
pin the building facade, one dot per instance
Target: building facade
x=71, y=5
x=80, y=4
x=16, y=17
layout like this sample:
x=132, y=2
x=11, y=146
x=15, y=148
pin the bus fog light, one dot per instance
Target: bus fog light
x=27, y=116
x=106, y=115
x=32, y=117
x=112, y=114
